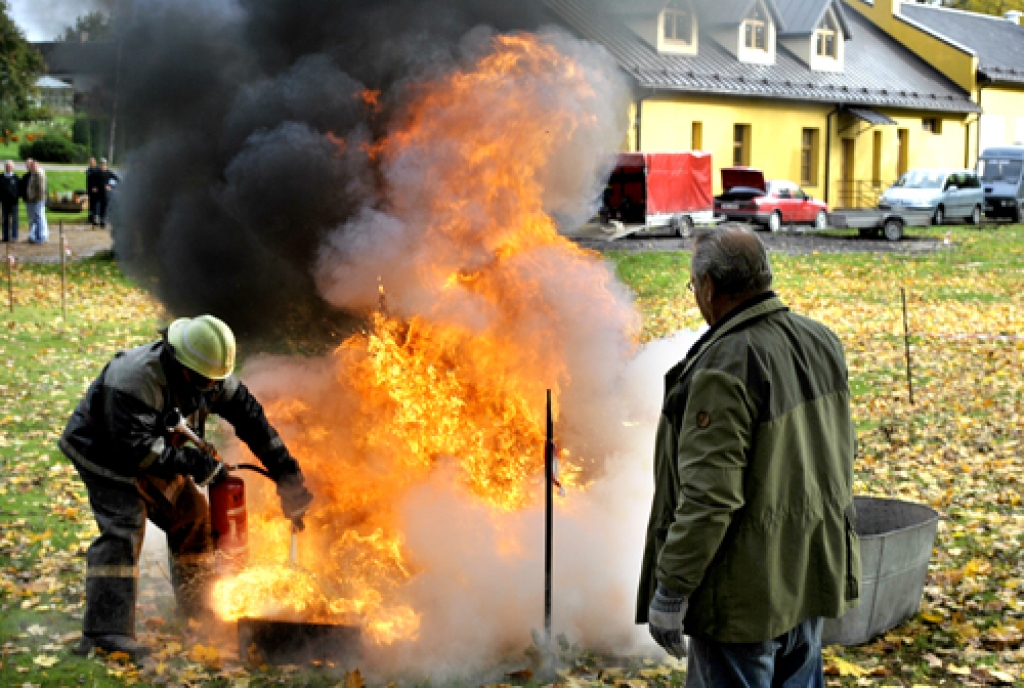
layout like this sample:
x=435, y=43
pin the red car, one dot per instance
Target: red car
x=749, y=198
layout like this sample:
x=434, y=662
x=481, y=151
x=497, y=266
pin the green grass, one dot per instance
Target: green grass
x=957, y=448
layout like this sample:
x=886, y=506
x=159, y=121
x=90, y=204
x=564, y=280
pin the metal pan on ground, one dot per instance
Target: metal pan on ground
x=896, y=540
x=266, y=641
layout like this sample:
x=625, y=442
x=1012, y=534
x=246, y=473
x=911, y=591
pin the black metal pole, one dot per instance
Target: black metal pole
x=549, y=467
x=906, y=345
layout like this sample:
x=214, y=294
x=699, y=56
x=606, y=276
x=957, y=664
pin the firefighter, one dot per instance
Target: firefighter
x=134, y=468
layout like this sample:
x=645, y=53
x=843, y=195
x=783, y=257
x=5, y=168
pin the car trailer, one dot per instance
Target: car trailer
x=871, y=223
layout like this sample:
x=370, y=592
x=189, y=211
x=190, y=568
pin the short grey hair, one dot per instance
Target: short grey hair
x=735, y=259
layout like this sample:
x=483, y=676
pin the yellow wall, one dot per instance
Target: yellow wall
x=956, y=64
x=776, y=132
x=1008, y=104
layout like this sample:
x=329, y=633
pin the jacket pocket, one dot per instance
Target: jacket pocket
x=852, y=553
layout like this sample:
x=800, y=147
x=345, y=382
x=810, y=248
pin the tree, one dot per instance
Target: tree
x=91, y=27
x=997, y=7
x=20, y=66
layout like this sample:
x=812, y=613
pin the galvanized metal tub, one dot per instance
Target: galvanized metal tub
x=896, y=540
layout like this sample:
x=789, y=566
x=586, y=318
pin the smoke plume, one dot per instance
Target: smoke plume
x=231, y=112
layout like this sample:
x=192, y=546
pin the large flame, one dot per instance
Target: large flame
x=460, y=382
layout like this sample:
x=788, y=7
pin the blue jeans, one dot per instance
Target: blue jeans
x=38, y=232
x=793, y=660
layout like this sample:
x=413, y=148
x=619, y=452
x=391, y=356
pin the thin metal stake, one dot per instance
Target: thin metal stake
x=10, y=279
x=549, y=479
x=63, y=274
x=906, y=345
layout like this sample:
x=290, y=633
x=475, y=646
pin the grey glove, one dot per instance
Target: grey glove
x=201, y=466
x=665, y=620
x=295, y=498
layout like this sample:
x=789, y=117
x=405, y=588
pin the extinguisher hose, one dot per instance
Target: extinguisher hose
x=251, y=467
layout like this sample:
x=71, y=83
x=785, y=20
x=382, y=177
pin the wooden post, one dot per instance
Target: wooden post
x=63, y=274
x=906, y=345
x=10, y=278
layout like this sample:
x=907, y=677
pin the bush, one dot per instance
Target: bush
x=52, y=148
x=81, y=132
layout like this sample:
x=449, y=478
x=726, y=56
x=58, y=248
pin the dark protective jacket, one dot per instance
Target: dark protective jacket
x=101, y=180
x=10, y=189
x=753, y=515
x=118, y=430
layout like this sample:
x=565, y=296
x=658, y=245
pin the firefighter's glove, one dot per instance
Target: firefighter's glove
x=665, y=620
x=203, y=468
x=295, y=498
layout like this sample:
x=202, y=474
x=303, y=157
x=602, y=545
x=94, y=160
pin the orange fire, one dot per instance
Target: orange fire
x=460, y=383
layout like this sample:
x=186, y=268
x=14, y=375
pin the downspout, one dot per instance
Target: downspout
x=828, y=149
x=977, y=131
x=639, y=119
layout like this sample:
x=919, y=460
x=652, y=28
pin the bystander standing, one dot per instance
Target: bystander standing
x=35, y=202
x=10, y=191
x=751, y=540
x=92, y=189
x=105, y=180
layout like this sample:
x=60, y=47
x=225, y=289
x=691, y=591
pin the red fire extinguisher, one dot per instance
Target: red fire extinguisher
x=229, y=521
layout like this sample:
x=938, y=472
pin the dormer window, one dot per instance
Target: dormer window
x=677, y=26
x=826, y=38
x=755, y=30
x=677, y=29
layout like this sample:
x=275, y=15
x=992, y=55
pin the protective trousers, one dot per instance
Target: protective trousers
x=112, y=561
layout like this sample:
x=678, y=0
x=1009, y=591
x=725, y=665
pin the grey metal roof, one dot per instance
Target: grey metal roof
x=734, y=11
x=998, y=42
x=879, y=71
x=802, y=17
x=50, y=83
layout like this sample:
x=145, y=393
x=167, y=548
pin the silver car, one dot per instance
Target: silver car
x=947, y=194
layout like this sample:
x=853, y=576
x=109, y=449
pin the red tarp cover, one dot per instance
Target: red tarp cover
x=678, y=182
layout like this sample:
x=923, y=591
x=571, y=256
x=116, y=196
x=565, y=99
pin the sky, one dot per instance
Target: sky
x=43, y=20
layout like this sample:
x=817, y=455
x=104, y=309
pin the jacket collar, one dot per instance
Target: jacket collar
x=745, y=314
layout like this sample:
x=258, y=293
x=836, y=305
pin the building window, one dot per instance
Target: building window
x=903, y=151
x=741, y=145
x=697, y=136
x=876, y=159
x=827, y=38
x=809, y=158
x=677, y=26
x=932, y=125
x=755, y=30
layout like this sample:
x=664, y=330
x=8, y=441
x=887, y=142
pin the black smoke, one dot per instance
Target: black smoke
x=247, y=138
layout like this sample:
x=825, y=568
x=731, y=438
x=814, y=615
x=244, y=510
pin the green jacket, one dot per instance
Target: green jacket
x=753, y=514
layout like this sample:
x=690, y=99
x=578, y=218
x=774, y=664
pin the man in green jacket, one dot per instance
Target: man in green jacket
x=751, y=539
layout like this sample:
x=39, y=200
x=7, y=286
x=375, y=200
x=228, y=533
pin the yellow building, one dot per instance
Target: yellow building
x=981, y=53
x=803, y=89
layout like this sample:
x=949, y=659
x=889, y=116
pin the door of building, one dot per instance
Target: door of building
x=847, y=190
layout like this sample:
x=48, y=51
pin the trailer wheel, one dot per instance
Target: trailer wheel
x=976, y=216
x=821, y=220
x=893, y=229
x=775, y=222
x=684, y=227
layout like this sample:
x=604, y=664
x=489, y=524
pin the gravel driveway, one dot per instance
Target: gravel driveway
x=794, y=243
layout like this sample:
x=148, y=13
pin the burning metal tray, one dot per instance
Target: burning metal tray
x=265, y=641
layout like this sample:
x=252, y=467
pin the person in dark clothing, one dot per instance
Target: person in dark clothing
x=92, y=189
x=104, y=181
x=134, y=467
x=10, y=192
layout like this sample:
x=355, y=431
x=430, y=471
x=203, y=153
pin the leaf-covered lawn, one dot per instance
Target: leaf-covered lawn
x=957, y=448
